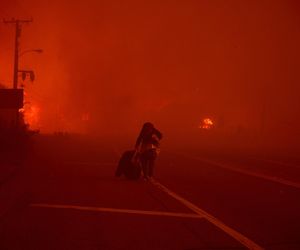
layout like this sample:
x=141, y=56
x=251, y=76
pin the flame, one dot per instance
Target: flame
x=30, y=112
x=31, y=115
x=206, y=123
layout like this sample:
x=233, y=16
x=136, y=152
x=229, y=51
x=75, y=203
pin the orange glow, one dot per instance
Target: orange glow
x=206, y=123
x=31, y=112
x=149, y=64
x=31, y=115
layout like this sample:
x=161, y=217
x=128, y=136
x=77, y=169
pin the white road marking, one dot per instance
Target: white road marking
x=233, y=233
x=276, y=162
x=248, y=172
x=116, y=210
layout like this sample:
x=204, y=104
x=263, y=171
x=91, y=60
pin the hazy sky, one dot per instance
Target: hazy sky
x=120, y=63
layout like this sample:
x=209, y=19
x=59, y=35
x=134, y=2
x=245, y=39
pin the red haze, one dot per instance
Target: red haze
x=120, y=63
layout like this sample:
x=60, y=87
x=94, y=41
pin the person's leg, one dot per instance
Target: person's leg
x=151, y=161
x=144, y=163
x=150, y=166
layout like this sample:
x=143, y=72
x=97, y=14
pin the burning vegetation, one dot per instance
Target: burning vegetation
x=206, y=123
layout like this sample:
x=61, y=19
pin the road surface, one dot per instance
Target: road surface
x=66, y=197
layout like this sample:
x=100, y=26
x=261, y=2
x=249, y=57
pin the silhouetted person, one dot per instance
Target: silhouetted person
x=147, y=144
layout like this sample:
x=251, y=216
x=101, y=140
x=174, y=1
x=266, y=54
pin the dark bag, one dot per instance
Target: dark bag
x=129, y=165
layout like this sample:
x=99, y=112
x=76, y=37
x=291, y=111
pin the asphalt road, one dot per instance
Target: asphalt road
x=70, y=199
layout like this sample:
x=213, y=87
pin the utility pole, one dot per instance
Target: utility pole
x=18, y=24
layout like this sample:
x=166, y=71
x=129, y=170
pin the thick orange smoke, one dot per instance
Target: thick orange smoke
x=108, y=66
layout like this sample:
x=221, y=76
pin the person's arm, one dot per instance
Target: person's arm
x=158, y=134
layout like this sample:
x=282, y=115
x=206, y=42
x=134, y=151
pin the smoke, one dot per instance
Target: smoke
x=108, y=66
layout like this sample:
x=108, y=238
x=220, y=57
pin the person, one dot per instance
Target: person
x=147, y=146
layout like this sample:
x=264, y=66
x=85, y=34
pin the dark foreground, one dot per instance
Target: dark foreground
x=65, y=196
